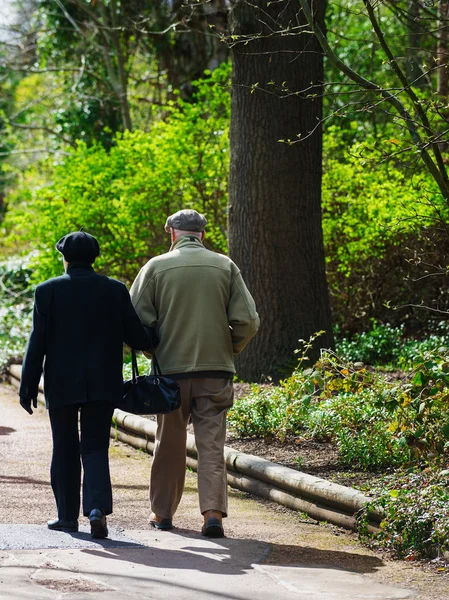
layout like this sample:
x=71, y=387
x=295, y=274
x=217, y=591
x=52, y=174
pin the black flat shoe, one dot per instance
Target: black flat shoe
x=213, y=528
x=61, y=525
x=98, y=527
x=164, y=524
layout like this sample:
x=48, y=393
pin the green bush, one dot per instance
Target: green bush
x=380, y=345
x=378, y=223
x=359, y=426
x=388, y=345
x=374, y=420
x=124, y=195
x=415, y=509
x=385, y=236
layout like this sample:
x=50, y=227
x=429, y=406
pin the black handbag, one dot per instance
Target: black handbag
x=150, y=394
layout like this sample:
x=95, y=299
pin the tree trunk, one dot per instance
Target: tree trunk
x=115, y=60
x=443, y=50
x=414, y=33
x=187, y=53
x=275, y=233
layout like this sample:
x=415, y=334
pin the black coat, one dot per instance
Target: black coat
x=80, y=322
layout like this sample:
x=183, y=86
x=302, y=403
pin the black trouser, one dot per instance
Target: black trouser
x=65, y=471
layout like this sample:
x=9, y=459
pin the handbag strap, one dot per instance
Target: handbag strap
x=135, y=369
x=156, y=367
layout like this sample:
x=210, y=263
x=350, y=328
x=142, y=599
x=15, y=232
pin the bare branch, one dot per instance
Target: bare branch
x=433, y=169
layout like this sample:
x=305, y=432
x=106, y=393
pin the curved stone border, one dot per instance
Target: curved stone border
x=319, y=498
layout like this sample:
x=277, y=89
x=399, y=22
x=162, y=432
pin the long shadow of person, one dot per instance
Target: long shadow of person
x=189, y=551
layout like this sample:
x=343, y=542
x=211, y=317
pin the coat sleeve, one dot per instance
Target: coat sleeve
x=142, y=296
x=242, y=315
x=36, y=349
x=136, y=335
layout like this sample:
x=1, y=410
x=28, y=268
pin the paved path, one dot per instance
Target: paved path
x=270, y=552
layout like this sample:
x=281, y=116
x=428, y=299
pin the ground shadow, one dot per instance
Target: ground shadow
x=22, y=479
x=106, y=543
x=6, y=430
x=228, y=556
x=118, y=486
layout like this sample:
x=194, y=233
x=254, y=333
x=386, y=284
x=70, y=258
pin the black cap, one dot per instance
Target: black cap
x=79, y=246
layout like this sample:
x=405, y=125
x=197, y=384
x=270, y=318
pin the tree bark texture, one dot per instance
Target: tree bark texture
x=275, y=233
x=443, y=50
x=414, y=34
x=196, y=45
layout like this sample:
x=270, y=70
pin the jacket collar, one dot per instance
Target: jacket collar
x=186, y=240
x=79, y=267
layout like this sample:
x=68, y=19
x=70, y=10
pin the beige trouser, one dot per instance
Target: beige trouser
x=206, y=401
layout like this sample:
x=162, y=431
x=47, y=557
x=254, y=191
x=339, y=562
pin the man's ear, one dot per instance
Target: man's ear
x=203, y=233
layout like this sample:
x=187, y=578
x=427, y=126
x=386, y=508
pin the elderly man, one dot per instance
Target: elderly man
x=203, y=314
x=80, y=322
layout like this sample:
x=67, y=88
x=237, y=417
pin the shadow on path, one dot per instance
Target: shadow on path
x=6, y=430
x=235, y=556
x=22, y=479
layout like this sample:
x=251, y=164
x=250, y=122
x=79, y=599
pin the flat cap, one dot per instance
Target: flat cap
x=186, y=220
x=79, y=246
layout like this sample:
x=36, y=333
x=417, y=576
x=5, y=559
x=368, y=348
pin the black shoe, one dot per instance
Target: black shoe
x=163, y=524
x=213, y=528
x=61, y=525
x=98, y=527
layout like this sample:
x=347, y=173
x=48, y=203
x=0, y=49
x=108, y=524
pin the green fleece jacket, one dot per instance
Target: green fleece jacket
x=200, y=306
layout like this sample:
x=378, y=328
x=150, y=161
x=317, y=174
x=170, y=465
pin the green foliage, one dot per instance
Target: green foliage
x=143, y=364
x=124, y=195
x=375, y=216
x=380, y=345
x=374, y=420
x=15, y=308
x=358, y=424
x=384, y=233
x=96, y=59
x=347, y=29
x=415, y=508
x=388, y=345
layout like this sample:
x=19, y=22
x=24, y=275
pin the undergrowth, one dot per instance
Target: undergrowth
x=377, y=421
x=415, y=507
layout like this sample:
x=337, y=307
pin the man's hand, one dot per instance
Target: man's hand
x=26, y=404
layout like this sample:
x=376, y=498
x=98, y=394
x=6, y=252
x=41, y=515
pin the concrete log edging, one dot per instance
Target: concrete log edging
x=319, y=498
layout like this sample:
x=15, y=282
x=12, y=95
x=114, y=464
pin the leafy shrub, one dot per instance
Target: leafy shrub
x=360, y=429
x=374, y=420
x=380, y=345
x=384, y=235
x=385, y=344
x=415, y=506
x=124, y=195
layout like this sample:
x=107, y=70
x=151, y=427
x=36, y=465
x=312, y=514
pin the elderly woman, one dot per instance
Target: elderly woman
x=80, y=322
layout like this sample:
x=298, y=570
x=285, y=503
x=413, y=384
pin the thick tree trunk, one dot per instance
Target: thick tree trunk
x=275, y=233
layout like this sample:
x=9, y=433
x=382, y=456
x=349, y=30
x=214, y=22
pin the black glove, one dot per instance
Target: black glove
x=26, y=404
